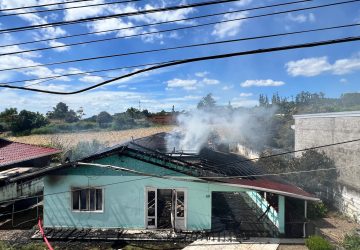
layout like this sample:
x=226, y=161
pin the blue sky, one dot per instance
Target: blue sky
x=332, y=69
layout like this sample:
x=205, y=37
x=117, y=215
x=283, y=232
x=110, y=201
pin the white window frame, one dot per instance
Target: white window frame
x=88, y=200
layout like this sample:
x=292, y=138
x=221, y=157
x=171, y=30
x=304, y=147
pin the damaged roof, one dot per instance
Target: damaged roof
x=247, y=174
x=208, y=165
x=15, y=152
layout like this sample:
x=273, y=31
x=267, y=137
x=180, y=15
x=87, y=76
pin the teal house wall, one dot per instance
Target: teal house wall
x=124, y=195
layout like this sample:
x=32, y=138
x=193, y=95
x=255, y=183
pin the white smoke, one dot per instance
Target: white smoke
x=248, y=127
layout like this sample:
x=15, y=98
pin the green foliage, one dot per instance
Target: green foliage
x=25, y=121
x=352, y=241
x=5, y=246
x=318, y=243
x=207, y=102
x=310, y=160
x=317, y=210
x=103, y=119
x=62, y=112
x=123, y=121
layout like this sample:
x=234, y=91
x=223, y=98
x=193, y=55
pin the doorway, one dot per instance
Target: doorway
x=165, y=208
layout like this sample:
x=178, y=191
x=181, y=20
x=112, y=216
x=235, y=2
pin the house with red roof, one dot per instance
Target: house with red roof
x=17, y=159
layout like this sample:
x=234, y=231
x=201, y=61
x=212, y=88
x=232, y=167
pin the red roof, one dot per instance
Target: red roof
x=15, y=152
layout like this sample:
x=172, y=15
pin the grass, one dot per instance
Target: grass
x=68, y=140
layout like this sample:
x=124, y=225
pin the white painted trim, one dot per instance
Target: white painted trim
x=328, y=115
x=88, y=211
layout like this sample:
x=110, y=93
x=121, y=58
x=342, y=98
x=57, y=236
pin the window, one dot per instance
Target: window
x=87, y=199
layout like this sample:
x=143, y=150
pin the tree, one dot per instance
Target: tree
x=7, y=117
x=25, y=121
x=59, y=111
x=207, y=102
x=62, y=112
x=104, y=118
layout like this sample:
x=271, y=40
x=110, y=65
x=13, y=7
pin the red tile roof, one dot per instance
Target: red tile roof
x=15, y=152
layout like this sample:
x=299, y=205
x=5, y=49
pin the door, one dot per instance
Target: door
x=166, y=208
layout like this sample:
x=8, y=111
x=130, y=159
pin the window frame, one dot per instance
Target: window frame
x=73, y=188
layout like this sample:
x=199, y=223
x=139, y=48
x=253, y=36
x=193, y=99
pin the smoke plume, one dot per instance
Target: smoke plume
x=199, y=128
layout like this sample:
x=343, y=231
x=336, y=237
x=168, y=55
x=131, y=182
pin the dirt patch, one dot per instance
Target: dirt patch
x=106, y=137
x=335, y=227
x=292, y=247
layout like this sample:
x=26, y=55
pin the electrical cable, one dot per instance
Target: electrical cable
x=195, y=59
x=290, y=152
x=151, y=24
x=44, y=5
x=126, y=14
x=67, y=8
x=184, y=46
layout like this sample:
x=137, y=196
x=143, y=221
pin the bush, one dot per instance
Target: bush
x=317, y=210
x=352, y=242
x=318, y=243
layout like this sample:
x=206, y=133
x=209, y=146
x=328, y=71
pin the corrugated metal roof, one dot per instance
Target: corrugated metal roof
x=15, y=152
x=228, y=164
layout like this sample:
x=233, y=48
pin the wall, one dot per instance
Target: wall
x=326, y=129
x=124, y=200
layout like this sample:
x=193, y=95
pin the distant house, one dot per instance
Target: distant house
x=18, y=159
x=138, y=185
x=327, y=128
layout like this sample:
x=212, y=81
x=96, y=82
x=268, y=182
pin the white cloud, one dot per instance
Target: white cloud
x=181, y=83
x=210, y=81
x=245, y=94
x=163, y=16
x=343, y=80
x=262, y=83
x=301, y=18
x=228, y=87
x=79, y=13
x=201, y=74
x=232, y=28
x=317, y=65
x=91, y=79
x=243, y=2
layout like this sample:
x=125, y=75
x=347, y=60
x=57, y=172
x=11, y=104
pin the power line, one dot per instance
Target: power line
x=186, y=46
x=290, y=152
x=44, y=5
x=176, y=178
x=171, y=8
x=194, y=45
x=83, y=73
x=196, y=59
x=225, y=41
x=143, y=51
x=151, y=24
x=10, y=30
x=67, y=8
x=292, y=172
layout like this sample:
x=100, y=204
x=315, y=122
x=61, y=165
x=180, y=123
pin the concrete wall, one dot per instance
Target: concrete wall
x=315, y=130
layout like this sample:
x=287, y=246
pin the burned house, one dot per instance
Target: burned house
x=139, y=185
x=18, y=159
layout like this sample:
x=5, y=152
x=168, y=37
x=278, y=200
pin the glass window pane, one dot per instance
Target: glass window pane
x=180, y=204
x=92, y=200
x=151, y=203
x=75, y=199
x=84, y=196
x=99, y=199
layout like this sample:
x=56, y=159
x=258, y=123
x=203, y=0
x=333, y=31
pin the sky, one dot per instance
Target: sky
x=333, y=69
